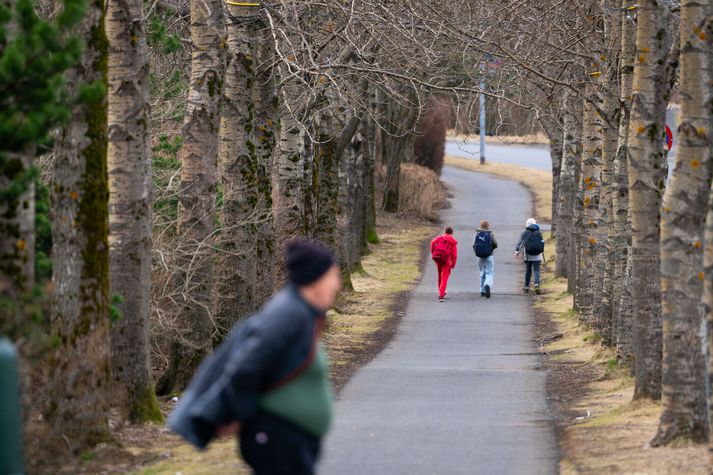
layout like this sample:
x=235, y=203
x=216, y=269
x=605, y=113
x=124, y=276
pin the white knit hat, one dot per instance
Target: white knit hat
x=530, y=222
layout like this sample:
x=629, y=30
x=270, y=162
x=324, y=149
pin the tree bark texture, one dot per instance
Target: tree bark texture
x=568, y=184
x=646, y=168
x=610, y=135
x=267, y=133
x=682, y=228
x=80, y=367
x=130, y=208
x=196, y=207
x=591, y=191
x=620, y=227
x=237, y=260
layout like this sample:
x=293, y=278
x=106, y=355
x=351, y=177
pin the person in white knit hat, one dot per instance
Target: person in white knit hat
x=532, y=247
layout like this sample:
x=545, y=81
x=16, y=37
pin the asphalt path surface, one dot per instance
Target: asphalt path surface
x=460, y=389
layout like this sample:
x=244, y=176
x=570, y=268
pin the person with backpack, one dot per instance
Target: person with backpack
x=484, y=244
x=269, y=380
x=532, y=246
x=444, y=252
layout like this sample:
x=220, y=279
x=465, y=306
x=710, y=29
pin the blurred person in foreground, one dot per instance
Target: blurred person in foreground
x=269, y=381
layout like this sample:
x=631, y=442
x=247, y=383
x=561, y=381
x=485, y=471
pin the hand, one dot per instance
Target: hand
x=229, y=430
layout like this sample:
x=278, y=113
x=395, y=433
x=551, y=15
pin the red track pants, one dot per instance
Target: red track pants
x=444, y=272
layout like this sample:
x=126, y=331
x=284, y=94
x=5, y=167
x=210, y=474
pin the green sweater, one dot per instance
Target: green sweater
x=307, y=400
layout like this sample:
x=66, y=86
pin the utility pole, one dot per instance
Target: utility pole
x=482, y=118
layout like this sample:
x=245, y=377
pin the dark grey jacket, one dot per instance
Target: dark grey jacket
x=262, y=353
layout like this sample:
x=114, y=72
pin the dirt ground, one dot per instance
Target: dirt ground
x=601, y=430
x=531, y=139
x=362, y=323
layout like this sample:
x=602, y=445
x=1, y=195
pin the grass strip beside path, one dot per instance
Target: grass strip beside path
x=600, y=429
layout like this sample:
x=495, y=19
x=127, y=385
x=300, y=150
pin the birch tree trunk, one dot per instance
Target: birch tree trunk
x=289, y=197
x=80, y=368
x=646, y=185
x=620, y=229
x=236, y=265
x=196, y=207
x=267, y=132
x=591, y=190
x=370, y=163
x=682, y=227
x=610, y=135
x=568, y=184
x=556, y=137
x=130, y=208
x=325, y=191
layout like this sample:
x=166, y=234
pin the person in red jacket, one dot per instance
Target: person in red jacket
x=444, y=252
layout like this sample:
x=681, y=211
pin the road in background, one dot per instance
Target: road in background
x=534, y=156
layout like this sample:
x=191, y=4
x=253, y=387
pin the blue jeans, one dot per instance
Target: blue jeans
x=532, y=265
x=487, y=271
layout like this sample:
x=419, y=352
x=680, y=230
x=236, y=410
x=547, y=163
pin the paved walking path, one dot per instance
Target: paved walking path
x=459, y=389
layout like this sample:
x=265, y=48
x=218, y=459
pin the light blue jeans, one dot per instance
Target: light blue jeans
x=487, y=271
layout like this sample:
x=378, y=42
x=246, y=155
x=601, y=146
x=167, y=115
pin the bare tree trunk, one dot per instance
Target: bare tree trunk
x=591, y=191
x=396, y=141
x=325, y=191
x=267, y=132
x=80, y=368
x=196, y=208
x=682, y=228
x=236, y=265
x=567, y=194
x=370, y=164
x=646, y=184
x=610, y=135
x=556, y=155
x=130, y=208
x=620, y=229
x=289, y=195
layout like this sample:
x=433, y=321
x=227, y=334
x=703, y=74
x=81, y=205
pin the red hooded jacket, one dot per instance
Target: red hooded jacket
x=446, y=247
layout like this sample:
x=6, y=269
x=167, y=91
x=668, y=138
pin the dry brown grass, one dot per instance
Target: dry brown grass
x=421, y=193
x=531, y=139
x=604, y=431
x=539, y=182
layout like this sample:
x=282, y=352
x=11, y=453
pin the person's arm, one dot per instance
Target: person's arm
x=519, y=243
x=433, y=244
x=495, y=241
x=454, y=256
x=234, y=396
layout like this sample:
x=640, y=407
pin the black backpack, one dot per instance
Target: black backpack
x=483, y=244
x=533, y=243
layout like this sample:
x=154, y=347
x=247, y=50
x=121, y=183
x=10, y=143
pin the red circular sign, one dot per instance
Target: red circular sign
x=669, y=138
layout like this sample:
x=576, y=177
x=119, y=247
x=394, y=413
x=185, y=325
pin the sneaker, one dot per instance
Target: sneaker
x=487, y=291
x=537, y=289
x=482, y=294
x=445, y=295
x=526, y=290
x=442, y=298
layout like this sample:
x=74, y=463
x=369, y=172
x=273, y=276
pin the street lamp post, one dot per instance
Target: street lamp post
x=482, y=120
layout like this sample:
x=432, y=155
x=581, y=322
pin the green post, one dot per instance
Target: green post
x=10, y=431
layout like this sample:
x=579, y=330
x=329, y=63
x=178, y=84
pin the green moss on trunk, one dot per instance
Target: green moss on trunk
x=146, y=407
